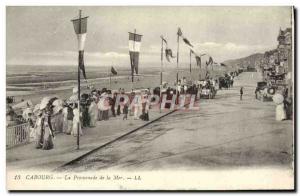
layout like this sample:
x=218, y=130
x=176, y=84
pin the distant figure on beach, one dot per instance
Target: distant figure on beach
x=241, y=93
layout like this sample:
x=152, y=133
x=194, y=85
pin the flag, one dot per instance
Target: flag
x=168, y=51
x=197, y=57
x=179, y=32
x=113, y=71
x=187, y=42
x=169, y=54
x=164, y=40
x=81, y=62
x=198, y=60
x=80, y=27
x=134, y=50
x=210, y=61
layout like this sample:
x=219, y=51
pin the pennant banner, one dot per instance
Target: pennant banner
x=198, y=60
x=113, y=71
x=187, y=42
x=134, y=61
x=81, y=62
x=81, y=41
x=168, y=51
x=134, y=49
x=169, y=54
x=80, y=25
x=179, y=32
x=197, y=57
x=210, y=61
x=134, y=42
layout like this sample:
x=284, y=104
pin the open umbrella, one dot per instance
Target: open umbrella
x=36, y=108
x=58, y=102
x=44, y=102
x=56, y=109
x=278, y=98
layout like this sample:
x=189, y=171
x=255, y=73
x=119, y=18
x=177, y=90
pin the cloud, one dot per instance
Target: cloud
x=148, y=55
x=230, y=50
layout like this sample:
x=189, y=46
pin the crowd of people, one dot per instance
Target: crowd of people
x=54, y=115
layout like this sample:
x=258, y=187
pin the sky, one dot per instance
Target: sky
x=45, y=35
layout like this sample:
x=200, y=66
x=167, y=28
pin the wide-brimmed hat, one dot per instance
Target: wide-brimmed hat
x=44, y=102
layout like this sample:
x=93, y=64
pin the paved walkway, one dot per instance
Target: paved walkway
x=225, y=133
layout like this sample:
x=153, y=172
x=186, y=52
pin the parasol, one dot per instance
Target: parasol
x=36, y=108
x=278, y=99
x=58, y=102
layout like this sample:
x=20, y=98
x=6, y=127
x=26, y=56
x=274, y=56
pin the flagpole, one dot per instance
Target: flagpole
x=161, y=67
x=191, y=64
x=132, y=72
x=78, y=123
x=177, y=66
x=177, y=58
x=109, y=74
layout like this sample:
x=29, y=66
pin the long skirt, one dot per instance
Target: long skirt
x=65, y=125
x=136, y=112
x=280, y=112
x=100, y=115
x=75, y=128
x=93, y=119
x=47, y=140
x=38, y=137
x=119, y=110
x=70, y=126
x=59, y=123
x=105, y=114
x=43, y=139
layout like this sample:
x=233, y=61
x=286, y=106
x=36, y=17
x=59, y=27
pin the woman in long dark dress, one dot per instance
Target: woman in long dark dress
x=44, y=132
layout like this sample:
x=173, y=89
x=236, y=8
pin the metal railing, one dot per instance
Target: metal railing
x=17, y=134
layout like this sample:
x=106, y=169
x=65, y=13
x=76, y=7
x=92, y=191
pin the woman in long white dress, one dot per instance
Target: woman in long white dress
x=76, y=122
x=280, y=112
x=93, y=112
x=65, y=119
x=38, y=131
